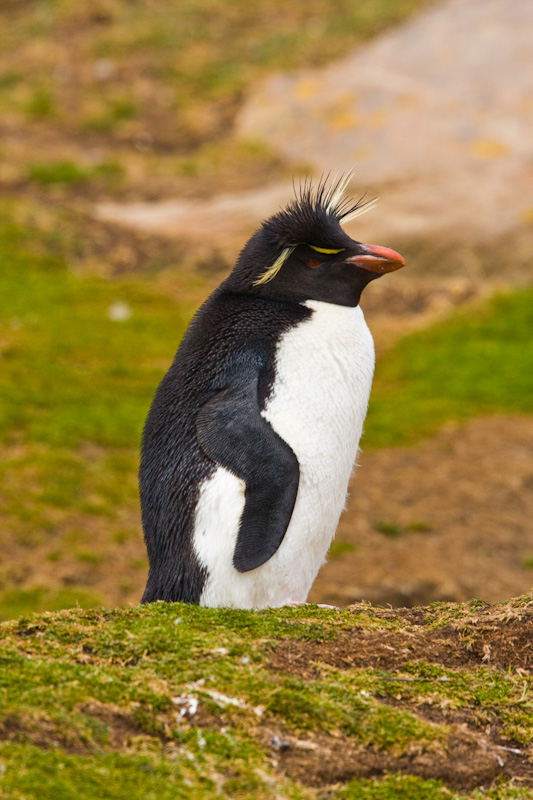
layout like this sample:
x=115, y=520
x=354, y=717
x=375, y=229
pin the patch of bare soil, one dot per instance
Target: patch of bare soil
x=449, y=519
x=118, y=729
x=485, y=638
x=36, y=729
x=463, y=762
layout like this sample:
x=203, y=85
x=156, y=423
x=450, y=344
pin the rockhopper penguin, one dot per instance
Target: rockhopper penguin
x=254, y=430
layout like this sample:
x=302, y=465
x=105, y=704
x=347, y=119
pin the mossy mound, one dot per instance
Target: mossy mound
x=172, y=701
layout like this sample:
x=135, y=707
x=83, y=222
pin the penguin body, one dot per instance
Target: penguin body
x=322, y=426
x=253, y=433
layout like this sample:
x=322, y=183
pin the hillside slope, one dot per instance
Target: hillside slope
x=176, y=701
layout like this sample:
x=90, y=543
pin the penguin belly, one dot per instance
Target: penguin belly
x=318, y=403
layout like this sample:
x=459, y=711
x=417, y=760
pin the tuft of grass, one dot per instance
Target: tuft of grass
x=471, y=364
x=395, y=787
x=387, y=528
x=420, y=526
x=41, y=104
x=62, y=172
x=90, y=557
x=339, y=548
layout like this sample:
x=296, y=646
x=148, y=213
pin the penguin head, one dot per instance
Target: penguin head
x=302, y=253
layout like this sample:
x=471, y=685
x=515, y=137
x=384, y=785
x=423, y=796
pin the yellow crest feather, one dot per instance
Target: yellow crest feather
x=272, y=271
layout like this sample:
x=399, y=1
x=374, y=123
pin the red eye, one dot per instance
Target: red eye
x=314, y=262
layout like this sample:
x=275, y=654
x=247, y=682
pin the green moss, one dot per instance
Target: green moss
x=387, y=528
x=339, y=548
x=42, y=103
x=184, y=654
x=54, y=775
x=395, y=787
x=91, y=699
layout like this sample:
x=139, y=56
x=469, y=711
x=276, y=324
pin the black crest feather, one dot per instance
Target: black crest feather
x=316, y=214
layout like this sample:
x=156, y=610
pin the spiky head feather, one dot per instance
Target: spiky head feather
x=314, y=217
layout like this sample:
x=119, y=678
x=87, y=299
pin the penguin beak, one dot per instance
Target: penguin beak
x=377, y=259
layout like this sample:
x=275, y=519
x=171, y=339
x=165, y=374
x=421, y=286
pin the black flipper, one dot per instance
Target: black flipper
x=232, y=432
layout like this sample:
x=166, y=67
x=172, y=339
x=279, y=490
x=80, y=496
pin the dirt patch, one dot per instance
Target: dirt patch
x=463, y=761
x=111, y=728
x=41, y=732
x=505, y=645
x=119, y=727
x=447, y=520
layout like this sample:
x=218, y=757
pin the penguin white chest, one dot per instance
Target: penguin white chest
x=324, y=369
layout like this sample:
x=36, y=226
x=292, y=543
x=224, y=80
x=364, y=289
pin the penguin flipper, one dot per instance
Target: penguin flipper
x=232, y=432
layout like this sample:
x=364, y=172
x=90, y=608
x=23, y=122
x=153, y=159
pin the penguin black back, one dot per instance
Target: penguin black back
x=229, y=329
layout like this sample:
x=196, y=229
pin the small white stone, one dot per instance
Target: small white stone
x=119, y=311
x=201, y=740
x=188, y=704
x=224, y=700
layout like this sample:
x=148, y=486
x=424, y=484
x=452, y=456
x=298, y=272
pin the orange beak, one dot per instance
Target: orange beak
x=377, y=259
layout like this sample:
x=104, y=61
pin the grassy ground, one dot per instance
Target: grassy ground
x=173, y=701
x=475, y=362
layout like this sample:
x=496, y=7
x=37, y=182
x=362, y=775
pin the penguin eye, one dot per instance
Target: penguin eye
x=314, y=262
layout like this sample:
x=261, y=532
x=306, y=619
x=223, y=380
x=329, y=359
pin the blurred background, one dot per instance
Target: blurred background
x=141, y=143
